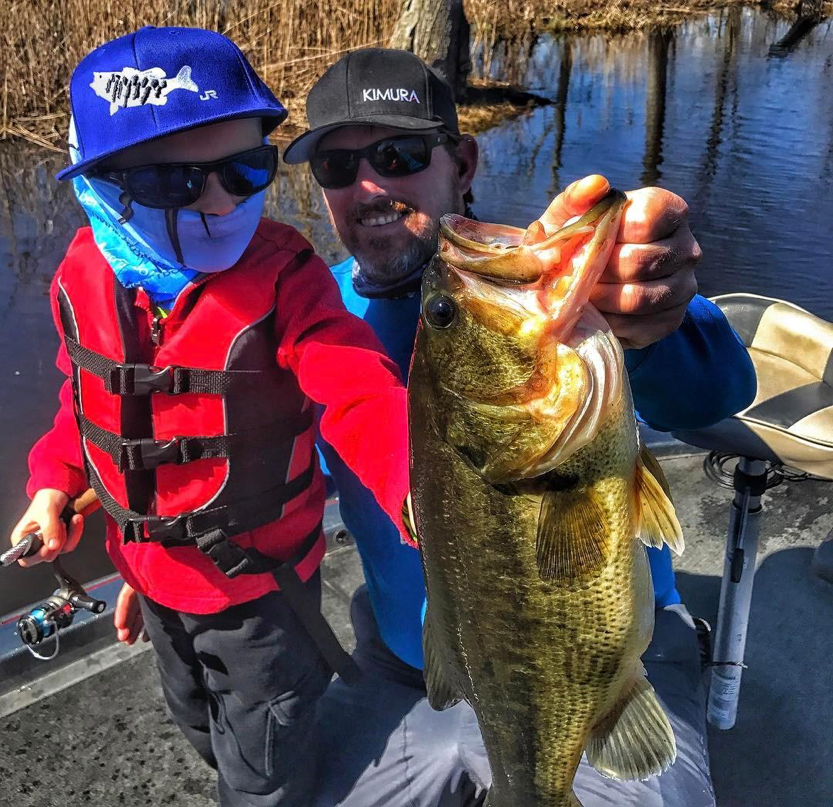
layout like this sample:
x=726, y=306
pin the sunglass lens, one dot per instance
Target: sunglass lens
x=251, y=173
x=401, y=156
x=165, y=186
x=335, y=169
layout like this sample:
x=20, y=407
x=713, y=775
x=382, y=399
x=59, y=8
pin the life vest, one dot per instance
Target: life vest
x=196, y=434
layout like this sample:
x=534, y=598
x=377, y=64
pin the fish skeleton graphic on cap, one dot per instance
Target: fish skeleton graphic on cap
x=131, y=87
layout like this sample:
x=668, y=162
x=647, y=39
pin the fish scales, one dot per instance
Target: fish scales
x=546, y=660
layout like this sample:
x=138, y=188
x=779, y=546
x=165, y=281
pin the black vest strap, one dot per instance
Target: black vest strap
x=145, y=379
x=233, y=560
x=317, y=626
x=226, y=553
x=145, y=453
x=239, y=516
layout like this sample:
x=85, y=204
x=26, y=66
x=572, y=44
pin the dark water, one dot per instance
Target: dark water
x=713, y=110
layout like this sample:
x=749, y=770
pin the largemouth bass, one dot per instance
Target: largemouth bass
x=533, y=503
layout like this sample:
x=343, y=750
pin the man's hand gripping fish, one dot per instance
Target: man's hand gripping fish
x=532, y=502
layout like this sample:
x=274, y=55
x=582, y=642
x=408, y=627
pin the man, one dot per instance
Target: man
x=195, y=335
x=384, y=144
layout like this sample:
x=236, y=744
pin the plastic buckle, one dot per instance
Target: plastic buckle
x=159, y=528
x=230, y=558
x=147, y=453
x=140, y=379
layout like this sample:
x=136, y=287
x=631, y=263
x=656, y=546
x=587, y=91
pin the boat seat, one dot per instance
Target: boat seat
x=790, y=422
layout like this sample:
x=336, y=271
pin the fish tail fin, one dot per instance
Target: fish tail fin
x=657, y=520
x=183, y=78
x=636, y=740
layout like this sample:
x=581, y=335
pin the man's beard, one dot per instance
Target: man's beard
x=384, y=260
x=382, y=263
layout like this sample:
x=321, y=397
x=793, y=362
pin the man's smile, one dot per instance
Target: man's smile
x=377, y=220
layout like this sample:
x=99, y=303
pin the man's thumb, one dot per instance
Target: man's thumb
x=575, y=199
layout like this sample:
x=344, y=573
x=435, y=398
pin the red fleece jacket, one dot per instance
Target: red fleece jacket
x=338, y=363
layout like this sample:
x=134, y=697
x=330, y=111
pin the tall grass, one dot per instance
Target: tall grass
x=289, y=42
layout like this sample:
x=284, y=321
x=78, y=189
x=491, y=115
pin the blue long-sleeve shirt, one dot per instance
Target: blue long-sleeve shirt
x=696, y=376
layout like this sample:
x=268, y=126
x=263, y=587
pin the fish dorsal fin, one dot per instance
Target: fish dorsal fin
x=657, y=522
x=636, y=740
x=441, y=691
x=572, y=536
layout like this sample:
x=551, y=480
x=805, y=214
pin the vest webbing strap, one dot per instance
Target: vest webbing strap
x=310, y=616
x=242, y=515
x=232, y=559
x=249, y=561
x=145, y=379
x=146, y=453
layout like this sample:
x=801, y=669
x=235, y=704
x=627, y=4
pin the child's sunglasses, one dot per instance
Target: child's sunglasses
x=398, y=156
x=169, y=185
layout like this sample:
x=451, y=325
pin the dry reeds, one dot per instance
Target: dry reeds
x=289, y=42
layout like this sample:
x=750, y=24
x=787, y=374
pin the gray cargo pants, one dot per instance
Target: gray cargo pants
x=384, y=746
x=242, y=686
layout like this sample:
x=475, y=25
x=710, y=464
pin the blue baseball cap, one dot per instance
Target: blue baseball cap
x=159, y=81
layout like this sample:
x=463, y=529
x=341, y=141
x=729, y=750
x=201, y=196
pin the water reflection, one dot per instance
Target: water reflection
x=725, y=86
x=704, y=109
x=799, y=31
x=659, y=42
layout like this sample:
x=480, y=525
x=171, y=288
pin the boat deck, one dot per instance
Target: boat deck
x=102, y=737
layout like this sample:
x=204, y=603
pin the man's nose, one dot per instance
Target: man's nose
x=369, y=185
x=215, y=199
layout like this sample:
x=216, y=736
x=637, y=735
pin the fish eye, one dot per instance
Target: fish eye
x=441, y=312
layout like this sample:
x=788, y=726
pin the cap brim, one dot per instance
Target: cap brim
x=275, y=120
x=304, y=146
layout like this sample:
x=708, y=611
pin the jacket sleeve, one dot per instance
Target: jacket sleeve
x=340, y=364
x=55, y=461
x=695, y=376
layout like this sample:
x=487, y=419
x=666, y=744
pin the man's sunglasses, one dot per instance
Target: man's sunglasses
x=398, y=156
x=167, y=185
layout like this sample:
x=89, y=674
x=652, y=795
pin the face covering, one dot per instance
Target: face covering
x=141, y=252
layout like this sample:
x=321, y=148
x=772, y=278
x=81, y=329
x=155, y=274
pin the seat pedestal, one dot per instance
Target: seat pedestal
x=736, y=592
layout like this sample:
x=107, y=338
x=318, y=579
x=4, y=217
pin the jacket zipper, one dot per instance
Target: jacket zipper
x=156, y=331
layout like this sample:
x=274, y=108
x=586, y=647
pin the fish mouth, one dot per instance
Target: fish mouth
x=561, y=269
x=546, y=281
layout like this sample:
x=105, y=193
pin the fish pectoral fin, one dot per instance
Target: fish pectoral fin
x=651, y=464
x=442, y=693
x=636, y=740
x=572, y=535
x=657, y=521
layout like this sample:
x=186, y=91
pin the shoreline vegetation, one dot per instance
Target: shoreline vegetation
x=292, y=42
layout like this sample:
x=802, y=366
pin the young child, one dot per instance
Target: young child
x=196, y=335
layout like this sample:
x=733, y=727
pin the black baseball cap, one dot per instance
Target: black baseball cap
x=375, y=87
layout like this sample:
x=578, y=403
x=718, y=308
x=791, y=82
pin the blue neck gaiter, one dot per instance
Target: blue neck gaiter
x=140, y=251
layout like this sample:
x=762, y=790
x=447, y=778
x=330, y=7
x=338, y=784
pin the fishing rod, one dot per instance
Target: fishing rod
x=58, y=611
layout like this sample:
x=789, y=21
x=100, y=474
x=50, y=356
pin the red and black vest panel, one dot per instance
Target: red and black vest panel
x=195, y=439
